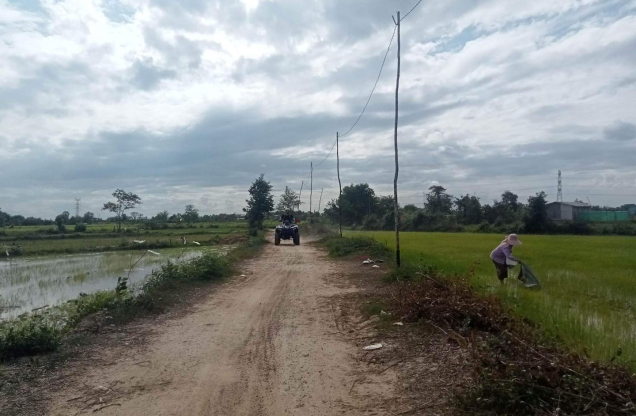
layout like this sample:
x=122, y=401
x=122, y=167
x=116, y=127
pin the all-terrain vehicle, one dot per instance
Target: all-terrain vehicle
x=288, y=229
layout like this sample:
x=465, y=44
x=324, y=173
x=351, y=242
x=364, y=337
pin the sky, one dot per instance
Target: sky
x=188, y=102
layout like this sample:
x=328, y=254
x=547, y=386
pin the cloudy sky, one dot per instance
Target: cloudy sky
x=188, y=101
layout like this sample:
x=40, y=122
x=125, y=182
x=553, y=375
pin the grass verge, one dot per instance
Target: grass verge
x=517, y=368
x=44, y=331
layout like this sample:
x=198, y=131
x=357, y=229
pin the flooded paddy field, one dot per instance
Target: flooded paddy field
x=28, y=283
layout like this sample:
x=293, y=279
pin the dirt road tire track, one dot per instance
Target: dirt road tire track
x=263, y=344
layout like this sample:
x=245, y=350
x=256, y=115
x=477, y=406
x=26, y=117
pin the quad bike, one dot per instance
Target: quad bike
x=287, y=230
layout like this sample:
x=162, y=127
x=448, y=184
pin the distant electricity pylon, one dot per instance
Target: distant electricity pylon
x=77, y=207
x=560, y=189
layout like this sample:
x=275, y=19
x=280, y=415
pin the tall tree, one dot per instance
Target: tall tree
x=260, y=204
x=357, y=201
x=191, y=214
x=289, y=200
x=88, y=217
x=4, y=218
x=162, y=216
x=509, y=199
x=61, y=221
x=125, y=201
x=438, y=201
x=469, y=208
x=536, y=219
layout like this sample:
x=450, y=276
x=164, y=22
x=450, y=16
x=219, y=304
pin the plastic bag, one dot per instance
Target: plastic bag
x=527, y=276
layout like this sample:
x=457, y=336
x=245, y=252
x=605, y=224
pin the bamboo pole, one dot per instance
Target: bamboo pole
x=397, y=168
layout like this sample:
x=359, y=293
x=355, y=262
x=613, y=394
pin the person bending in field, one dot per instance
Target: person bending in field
x=502, y=256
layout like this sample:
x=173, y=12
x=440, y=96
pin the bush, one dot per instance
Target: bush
x=95, y=302
x=348, y=245
x=206, y=267
x=33, y=335
x=80, y=227
x=371, y=222
x=484, y=227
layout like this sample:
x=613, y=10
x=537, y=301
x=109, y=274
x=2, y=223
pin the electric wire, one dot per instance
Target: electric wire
x=405, y=16
x=374, y=85
x=332, y=147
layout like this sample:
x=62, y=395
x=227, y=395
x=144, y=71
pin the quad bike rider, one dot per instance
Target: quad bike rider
x=288, y=229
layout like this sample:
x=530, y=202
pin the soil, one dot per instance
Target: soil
x=285, y=337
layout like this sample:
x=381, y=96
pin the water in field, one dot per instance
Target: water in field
x=30, y=283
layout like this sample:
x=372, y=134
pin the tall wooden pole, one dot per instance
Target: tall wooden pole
x=320, y=200
x=397, y=169
x=311, y=186
x=339, y=183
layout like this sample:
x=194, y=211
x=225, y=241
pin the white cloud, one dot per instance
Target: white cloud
x=272, y=81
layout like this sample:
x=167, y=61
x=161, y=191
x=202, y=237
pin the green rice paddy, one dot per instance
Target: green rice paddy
x=588, y=294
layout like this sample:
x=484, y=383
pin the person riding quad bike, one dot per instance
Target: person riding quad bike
x=288, y=229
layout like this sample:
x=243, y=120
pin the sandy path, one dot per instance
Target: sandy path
x=264, y=344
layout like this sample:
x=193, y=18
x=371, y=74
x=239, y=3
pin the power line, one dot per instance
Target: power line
x=374, y=85
x=332, y=147
x=405, y=16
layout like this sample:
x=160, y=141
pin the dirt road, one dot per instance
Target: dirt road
x=263, y=344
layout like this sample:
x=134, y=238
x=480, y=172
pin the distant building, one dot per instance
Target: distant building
x=567, y=211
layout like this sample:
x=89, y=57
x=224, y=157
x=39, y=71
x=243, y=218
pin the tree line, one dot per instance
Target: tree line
x=441, y=211
x=123, y=202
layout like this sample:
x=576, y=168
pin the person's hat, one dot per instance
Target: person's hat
x=513, y=240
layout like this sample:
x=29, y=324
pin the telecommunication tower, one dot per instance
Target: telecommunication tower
x=560, y=189
x=77, y=207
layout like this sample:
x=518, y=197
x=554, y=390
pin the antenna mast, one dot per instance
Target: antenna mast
x=77, y=207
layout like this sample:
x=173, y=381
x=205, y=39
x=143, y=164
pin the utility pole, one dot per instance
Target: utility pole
x=300, y=194
x=320, y=200
x=559, y=189
x=397, y=168
x=311, y=184
x=339, y=183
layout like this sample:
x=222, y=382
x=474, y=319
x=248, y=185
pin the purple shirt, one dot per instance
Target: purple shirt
x=503, y=252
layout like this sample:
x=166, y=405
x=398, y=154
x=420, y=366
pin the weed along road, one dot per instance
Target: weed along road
x=263, y=344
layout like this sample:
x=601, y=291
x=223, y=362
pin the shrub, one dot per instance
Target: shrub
x=484, y=227
x=30, y=336
x=207, y=267
x=371, y=222
x=80, y=227
x=95, y=302
x=344, y=246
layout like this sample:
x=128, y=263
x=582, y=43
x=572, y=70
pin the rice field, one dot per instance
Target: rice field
x=588, y=294
x=37, y=240
x=47, y=268
x=28, y=283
